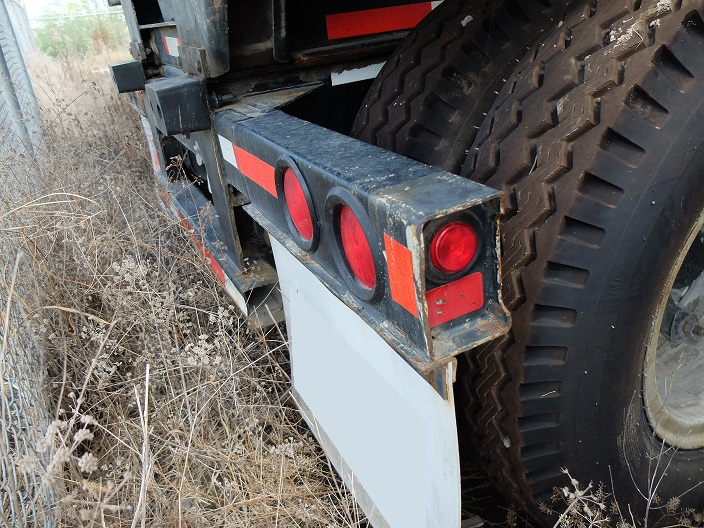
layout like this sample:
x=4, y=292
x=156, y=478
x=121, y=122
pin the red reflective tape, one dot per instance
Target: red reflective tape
x=164, y=194
x=400, y=264
x=152, y=150
x=214, y=265
x=455, y=299
x=256, y=170
x=372, y=21
x=155, y=159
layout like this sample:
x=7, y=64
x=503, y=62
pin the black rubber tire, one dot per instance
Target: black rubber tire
x=597, y=141
x=433, y=92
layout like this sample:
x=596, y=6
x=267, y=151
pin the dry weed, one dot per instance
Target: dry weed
x=167, y=409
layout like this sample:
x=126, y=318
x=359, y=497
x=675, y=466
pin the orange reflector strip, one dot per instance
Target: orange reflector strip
x=256, y=170
x=372, y=21
x=455, y=299
x=400, y=264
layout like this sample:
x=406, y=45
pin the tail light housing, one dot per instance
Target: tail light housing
x=297, y=206
x=453, y=247
x=297, y=203
x=410, y=249
x=355, y=247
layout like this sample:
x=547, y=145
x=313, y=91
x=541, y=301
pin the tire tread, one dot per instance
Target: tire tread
x=584, y=92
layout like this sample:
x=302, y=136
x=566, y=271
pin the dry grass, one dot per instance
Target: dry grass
x=168, y=410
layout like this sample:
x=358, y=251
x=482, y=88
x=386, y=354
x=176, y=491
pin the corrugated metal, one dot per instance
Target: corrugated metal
x=20, y=23
x=19, y=123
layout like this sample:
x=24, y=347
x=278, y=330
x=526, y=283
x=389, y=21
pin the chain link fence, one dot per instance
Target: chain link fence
x=24, y=497
x=24, y=417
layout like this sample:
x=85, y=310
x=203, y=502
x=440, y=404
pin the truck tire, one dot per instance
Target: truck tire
x=597, y=141
x=433, y=92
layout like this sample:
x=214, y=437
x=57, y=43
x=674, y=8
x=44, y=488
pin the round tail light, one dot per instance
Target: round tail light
x=297, y=205
x=453, y=247
x=356, y=248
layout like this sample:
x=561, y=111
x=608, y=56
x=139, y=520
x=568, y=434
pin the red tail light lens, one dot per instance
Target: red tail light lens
x=453, y=247
x=356, y=248
x=297, y=205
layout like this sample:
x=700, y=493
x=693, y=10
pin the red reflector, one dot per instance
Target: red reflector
x=356, y=248
x=453, y=247
x=453, y=300
x=297, y=205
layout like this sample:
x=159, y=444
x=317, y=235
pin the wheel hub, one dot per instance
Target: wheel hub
x=674, y=363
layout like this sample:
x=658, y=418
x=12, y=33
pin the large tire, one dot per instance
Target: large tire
x=433, y=92
x=597, y=142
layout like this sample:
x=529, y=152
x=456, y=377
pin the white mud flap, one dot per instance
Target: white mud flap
x=387, y=432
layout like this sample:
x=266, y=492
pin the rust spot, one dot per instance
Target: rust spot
x=491, y=326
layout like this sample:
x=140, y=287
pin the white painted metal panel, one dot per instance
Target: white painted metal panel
x=355, y=74
x=388, y=433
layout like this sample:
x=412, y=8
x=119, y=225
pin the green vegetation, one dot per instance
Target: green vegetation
x=77, y=28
